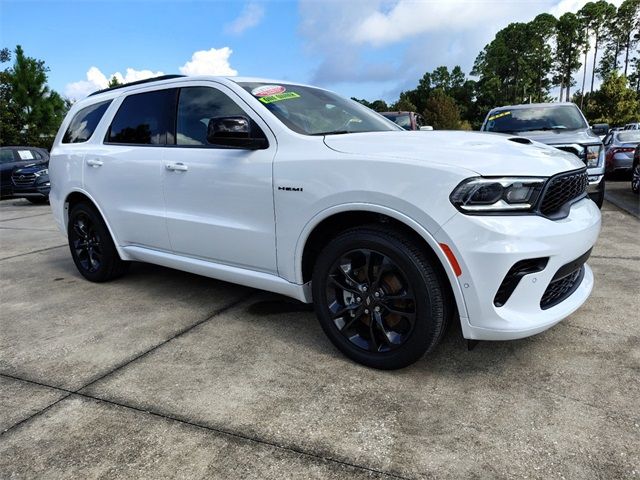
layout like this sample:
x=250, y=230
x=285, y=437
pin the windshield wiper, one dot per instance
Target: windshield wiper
x=334, y=132
x=545, y=129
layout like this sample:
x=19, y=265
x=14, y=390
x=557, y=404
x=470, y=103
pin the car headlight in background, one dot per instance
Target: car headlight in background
x=594, y=152
x=495, y=195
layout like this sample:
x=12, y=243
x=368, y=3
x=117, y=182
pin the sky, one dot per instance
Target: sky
x=362, y=48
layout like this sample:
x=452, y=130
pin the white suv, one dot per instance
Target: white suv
x=296, y=190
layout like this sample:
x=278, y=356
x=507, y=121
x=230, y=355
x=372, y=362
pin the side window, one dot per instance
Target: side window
x=6, y=156
x=198, y=105
x=145, y=119
x=84, y=123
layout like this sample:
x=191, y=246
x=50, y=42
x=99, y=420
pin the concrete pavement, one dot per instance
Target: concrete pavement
x=166, y=374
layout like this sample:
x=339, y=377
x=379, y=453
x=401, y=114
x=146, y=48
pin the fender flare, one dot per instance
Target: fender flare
x=427, y=236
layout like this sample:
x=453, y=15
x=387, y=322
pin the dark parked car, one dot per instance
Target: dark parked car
x=30, y=163
x=407, y=120
x=618, y=149
x=561, y=125
x=635, y=171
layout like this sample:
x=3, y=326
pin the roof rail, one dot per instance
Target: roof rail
x=139, y=82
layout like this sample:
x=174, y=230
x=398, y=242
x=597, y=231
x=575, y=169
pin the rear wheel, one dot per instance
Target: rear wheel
x=92, y=248
x=635, y=178
x=378, y=298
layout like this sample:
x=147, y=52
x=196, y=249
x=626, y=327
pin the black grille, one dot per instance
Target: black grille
x=561, y=190
x=23, y=179
x=558, y=290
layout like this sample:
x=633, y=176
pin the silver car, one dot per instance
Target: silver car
x=619, y=147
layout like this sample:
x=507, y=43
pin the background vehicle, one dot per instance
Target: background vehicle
x=296, y=190
x=635, y=171
x=561, y=125
x=17, y=157
x=632, y=126
x=407, y=120
x=32, y=182
x=619, y=147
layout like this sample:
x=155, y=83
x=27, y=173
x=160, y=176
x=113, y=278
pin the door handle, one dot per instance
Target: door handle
x=94, y=163
x=177, y=167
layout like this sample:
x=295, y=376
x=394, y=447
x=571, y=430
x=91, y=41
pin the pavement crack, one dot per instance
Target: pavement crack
x=614, y=257
x=218, y=431
x=28, y=216
x=34, y=251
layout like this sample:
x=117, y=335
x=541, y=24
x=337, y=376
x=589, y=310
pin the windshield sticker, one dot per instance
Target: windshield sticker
x=279, y=96
x=499, y=115
x=25, y=154
x=268, y=90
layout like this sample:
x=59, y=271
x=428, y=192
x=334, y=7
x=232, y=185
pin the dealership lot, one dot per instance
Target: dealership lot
x=166, y=374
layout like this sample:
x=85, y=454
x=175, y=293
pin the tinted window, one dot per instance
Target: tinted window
x=553, y=117
x=6, y=156
x=84, y=123
x=145, y=119
x=196, y=106
x=403, y=119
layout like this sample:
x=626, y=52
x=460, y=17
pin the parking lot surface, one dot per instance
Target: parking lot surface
x=167, y=374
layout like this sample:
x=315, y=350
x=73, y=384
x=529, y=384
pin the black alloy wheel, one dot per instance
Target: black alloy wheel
x=92, y=248
x=635, y=178
x=85, y=242
x=378, y=297
x=371, y=303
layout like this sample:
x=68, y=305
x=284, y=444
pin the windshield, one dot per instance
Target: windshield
x=629, y=136
x=553, y=117
x=402, y=119
x=311, y=111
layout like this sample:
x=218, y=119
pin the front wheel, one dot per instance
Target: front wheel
x=92, y=248
x=378, y=297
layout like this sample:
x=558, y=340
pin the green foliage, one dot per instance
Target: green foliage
x=31, y=112
x=377, y=105
x=441, y=111
x=570, y=40
x=615, y=103
x=114, y=82
x=403, y=104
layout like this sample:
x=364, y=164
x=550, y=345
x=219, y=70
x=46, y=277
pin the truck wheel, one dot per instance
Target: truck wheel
x=92, y=248
x=378, y=297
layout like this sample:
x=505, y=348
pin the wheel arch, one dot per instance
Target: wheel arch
x=77, y=196
x=332, y=221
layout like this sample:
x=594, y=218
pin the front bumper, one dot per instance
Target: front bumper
x=38, y=189
x=488, y=246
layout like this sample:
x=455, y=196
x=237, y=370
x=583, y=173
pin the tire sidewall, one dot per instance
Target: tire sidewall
x=427, y=294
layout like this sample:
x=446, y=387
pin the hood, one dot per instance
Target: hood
x=32, y=167
x=484, y=153
x=557, y=137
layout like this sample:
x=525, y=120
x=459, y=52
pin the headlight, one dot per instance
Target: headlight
x=594, y=152
x=42, y=172
x=495, y=195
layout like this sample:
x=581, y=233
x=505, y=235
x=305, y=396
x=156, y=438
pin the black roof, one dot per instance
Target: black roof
x=139, y=82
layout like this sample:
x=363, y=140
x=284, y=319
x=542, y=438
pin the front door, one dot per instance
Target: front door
x=219, y=200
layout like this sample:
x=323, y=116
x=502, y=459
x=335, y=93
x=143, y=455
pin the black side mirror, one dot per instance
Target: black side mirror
x=600, y=128
x=234, y=132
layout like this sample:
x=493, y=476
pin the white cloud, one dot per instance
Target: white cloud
x=250, y=16
x=96, y=80
x=209, y=62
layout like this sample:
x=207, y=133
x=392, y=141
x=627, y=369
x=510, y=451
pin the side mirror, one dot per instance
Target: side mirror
x=426, y=128
x=234, y=132
x=600, y=128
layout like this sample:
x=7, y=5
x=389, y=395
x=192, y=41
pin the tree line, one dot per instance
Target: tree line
x=525, y=61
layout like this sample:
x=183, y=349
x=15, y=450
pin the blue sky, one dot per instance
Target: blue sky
x=368, y=49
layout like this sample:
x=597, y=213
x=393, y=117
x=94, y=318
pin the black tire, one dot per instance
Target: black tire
x=408, y=317
x=635, y=178
x=91, y=245
x=38, y=200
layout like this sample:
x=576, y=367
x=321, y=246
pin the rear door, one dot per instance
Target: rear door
x=124, y=173
x=7, y=164
x=219, y=200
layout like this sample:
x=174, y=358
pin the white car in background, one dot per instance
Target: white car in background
x=296, y=190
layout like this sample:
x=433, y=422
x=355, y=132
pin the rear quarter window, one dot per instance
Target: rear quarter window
x=84, y=123
x=145, y=119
